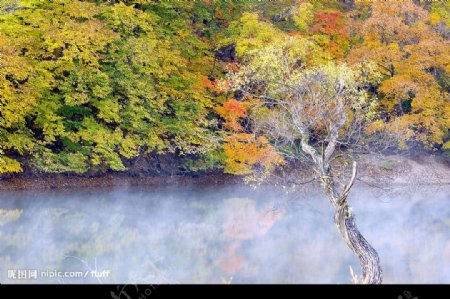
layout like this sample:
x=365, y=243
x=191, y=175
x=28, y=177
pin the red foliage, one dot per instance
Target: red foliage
x=232, y=111
x=294, y=33
x=330, y=23
x=230, y=7
x=208, y=84
x=235, y=108
x=232, y=262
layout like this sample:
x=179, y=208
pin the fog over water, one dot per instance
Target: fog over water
x=219, y=235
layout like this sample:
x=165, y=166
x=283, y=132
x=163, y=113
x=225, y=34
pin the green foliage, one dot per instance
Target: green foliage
x=88, y=85
x=213, y=159
x=63, y=162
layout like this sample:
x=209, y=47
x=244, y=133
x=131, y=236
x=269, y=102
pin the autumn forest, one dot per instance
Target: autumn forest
x=224, y=141
x=94, y=86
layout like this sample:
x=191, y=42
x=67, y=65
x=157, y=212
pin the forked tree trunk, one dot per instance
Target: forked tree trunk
x=344, y=217
x=345, y=221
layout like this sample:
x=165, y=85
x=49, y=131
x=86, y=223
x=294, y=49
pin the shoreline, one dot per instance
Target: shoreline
x=386, y=171
x=61, y=181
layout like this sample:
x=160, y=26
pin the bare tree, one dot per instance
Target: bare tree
x=314, y=115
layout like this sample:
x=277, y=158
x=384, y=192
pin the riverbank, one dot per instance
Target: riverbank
x=59, y=181
x=373, y=170
x=397, y=170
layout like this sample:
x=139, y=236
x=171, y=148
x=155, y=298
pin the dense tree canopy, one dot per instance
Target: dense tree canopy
x=91, y=86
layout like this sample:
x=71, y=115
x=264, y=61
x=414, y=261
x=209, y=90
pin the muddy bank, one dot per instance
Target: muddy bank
x=373, y=170
x=55, y=181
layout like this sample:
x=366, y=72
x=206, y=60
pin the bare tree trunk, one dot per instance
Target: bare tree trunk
x=345, y=221
x=368, y=257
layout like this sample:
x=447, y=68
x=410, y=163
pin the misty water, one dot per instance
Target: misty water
x=228, y=234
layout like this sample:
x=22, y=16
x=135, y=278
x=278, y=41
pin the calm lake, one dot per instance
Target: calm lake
x=226, y=234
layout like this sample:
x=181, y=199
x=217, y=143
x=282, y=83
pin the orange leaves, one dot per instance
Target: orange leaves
x=232, y=111
x=235, y=108
x=398, y=86
x=207, y=2
x=294, y=33
x=243, y=152
x=334, y=29
x=392, y=21
x=230, y=7
x=407, y=50
x=205, y=83
x=233, y=66
x=330, y=23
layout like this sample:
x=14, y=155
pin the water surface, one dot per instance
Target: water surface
x=229, y=234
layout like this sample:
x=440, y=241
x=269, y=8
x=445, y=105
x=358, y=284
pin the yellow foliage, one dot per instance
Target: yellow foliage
x=9, y=165
x=303, y=15
x=446, y=145
x=434, y=18
x=254, y=34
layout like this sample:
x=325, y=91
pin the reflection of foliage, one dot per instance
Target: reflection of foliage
x=9, y=215
x=109, y=237
x=243, y=221
x=201, y=236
